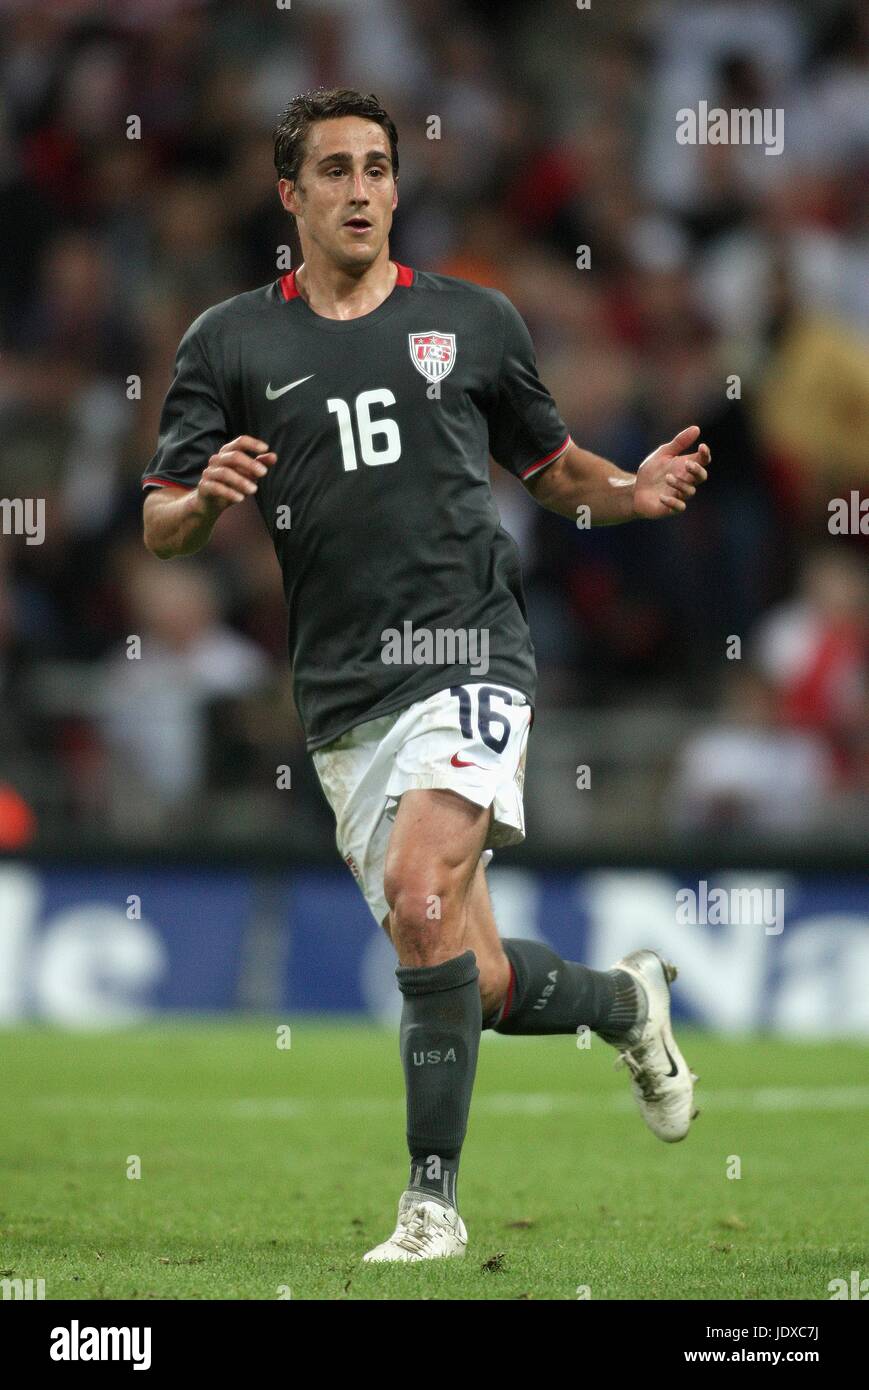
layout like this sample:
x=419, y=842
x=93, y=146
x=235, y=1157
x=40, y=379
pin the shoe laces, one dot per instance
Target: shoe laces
x=642, y=1075
x=417, y=1232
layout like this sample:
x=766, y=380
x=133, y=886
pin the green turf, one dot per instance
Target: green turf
x=265, y=1169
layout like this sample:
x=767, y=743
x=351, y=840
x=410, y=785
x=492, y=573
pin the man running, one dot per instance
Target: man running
x=358, y=401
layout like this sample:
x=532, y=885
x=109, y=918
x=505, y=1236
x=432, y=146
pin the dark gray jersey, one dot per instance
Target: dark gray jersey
x=398, y=575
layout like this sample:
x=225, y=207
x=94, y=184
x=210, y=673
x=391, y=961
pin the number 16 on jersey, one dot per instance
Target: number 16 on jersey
x=369, y=431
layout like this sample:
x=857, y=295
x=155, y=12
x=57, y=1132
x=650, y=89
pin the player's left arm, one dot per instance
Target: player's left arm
x=662, y=486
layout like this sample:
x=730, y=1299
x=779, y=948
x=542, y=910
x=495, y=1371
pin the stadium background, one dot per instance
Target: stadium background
x=708, y=266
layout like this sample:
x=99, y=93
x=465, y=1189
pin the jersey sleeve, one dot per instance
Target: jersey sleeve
x=526, y=431
x=193, y=423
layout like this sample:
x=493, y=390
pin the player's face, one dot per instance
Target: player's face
x=345, y=194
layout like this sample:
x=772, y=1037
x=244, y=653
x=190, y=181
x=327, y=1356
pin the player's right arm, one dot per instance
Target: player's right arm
x=180, y=521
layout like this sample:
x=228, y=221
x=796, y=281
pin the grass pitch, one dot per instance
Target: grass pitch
x=267, y=1172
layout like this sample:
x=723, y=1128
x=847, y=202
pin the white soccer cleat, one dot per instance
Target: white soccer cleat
x=426, y=1230
x=661, y=1080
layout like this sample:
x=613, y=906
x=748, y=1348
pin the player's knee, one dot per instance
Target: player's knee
x=423, y=917
x=420, y=891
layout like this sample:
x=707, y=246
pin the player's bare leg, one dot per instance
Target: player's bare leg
x=564, y=993
x=443, y=927
x=433, y=855
x=482, y=937
x=526, y=988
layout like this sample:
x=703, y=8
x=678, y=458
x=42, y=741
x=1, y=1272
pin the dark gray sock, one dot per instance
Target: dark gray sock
x=551, y=995
x=440, y=1038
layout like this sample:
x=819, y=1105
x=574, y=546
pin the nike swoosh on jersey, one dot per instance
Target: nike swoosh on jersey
x=273, y=395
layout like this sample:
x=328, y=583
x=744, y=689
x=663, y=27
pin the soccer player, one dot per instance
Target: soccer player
x=358, y=401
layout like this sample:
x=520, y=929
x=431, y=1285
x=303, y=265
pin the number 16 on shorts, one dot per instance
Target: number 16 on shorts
x=486, y=703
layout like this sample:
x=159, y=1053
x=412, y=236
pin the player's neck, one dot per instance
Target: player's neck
x=334, y=294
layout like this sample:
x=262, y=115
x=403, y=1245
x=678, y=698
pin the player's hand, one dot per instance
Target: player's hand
x=232, y=473
x=667, y=479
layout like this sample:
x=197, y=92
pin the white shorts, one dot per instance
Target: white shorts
x=473, y=743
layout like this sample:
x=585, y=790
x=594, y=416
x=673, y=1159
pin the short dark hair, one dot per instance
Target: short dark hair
x=324, y=104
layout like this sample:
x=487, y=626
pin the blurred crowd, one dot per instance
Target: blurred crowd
x=722, y=285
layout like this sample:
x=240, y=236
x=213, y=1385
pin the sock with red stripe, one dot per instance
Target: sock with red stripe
x=551, y=995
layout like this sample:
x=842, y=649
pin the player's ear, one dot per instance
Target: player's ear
x=287, y=195
x=395, y=194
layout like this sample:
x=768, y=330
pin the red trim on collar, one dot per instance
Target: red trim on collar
x=288, y=282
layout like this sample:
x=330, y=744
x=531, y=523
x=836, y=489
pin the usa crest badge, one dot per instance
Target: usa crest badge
x=433, y=354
